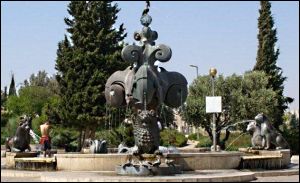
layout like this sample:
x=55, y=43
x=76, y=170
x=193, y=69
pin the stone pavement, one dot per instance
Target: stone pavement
x=292, y=178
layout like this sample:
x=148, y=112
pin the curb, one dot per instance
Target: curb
x=95, y=177
x=272, y=173
x=240, y=177
x=276, y=173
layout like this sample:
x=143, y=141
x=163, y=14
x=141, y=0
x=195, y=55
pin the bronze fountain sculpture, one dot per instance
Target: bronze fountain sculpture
x=264, y=135
x=144, y=87
x=20, y=142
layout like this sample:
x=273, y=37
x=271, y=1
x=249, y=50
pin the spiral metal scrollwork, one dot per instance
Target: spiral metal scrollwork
x=131, y=53
x=163, y=53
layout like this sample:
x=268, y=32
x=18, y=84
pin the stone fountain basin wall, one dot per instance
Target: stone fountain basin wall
x=188, y=161
x=266, y=159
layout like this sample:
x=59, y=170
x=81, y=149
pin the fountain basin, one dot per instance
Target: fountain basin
x=36, y=163
x=10, y=157
x=188, y=161
x=265, y=159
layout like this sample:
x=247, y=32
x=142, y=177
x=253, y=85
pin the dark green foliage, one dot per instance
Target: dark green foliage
x=4, y=118
x=3, y=97
x=243, y=97
x=86, y=60
x=204, y=142
x=266, y=60
x=166, y=116
x=127, y=135
x=12, y=88
x=172, y=138
x=290, y=132
x=116, y=136
x=64, y=138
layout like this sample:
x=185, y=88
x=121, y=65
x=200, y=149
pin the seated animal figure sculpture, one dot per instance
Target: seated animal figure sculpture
x=255, y=131
x=269, y=134
x=20, y=142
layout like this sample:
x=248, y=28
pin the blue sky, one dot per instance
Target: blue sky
x=207, y=34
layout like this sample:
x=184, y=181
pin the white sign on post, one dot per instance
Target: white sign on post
x=213, y=104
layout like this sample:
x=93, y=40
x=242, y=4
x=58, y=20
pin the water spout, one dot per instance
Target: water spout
x=233, y=125
x=234, y=140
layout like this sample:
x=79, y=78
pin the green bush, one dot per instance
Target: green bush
x=127, y=136
x=172, y=138
x=204, y=142
x=111, y=136
x=193, y=136
x=4, y=118
x=4, y=135
x=290, y=132
x=116, y=136
x=235, y=141
x=4, y=121
x=64, y=138
x=12, y=125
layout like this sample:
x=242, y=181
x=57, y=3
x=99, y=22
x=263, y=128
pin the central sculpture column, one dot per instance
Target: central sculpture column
x=144, y=87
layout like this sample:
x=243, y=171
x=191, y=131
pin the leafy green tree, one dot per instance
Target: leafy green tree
x=41, y=79
x=267, y=55
x=290, y=131
x=243, y=97
x=84, y=62
x=12, y=88
x=30, y=100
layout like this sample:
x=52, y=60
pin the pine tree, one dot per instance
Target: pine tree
x=267, y=55
x=85, y=60
x=12, y=87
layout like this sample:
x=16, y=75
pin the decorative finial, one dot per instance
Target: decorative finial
x=146, y=19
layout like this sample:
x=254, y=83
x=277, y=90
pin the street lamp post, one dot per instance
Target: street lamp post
x=213, y=73
x=197, y=77
x=196, y=69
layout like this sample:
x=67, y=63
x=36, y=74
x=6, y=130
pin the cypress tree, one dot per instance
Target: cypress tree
x=85, y=60
x=267, y=55
x=12, y=87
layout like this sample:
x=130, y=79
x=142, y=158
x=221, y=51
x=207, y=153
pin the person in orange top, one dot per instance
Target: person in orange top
x=45, y=140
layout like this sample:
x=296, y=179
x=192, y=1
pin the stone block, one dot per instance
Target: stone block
x=10, y=157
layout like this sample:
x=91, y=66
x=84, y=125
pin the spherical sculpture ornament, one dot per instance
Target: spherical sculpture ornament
x=146, y=20
x=212, y=72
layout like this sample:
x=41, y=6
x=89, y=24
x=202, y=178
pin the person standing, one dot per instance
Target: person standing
x=45, y=140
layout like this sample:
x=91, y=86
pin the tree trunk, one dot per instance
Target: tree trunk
x=79, y=146
x=209, y=131
x=90, y=133
x=222, y=143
